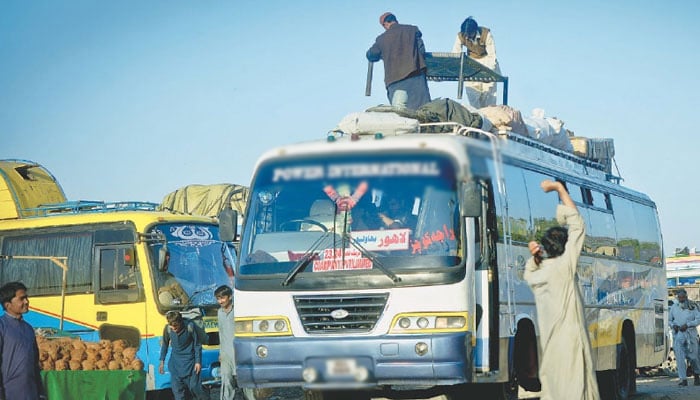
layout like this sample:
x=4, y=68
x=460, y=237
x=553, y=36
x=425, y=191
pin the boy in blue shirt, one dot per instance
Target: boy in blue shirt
x=185, y=358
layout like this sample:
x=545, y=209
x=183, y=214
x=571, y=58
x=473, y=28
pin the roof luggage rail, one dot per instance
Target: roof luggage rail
x=461, y=130
x=88, y=206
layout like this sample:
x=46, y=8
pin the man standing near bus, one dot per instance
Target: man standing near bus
x=566, y=368
x=684, y=317
x=185, y=362
x=224, y=296
x=20, y=377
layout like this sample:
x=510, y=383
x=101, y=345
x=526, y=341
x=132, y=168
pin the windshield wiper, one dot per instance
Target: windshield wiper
x=307, y=257
x=198, y=292
x=346, y=238
x=372, y=257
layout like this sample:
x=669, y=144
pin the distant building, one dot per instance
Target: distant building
x=684, y=271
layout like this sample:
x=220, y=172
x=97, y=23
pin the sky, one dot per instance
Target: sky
x=130, y=100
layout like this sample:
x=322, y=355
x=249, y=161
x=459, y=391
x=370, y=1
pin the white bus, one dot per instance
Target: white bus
x=338, y=295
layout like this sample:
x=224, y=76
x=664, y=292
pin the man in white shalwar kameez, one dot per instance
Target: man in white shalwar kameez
x=566, y=367
x=683, y=318
x=479, y=45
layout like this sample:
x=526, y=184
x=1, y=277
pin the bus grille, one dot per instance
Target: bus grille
x=341, y=313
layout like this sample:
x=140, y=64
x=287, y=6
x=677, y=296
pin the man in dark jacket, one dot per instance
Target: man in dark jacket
x=402, y=49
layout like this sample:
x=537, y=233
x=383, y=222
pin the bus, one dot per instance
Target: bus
x=337, y=295
x=101, y=270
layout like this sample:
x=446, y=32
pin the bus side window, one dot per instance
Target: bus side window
x=637, y=231
x=117, y=281
x=576, y=193
x=107, y=270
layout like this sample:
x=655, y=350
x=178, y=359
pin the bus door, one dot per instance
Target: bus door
x=119, y=292
x=486, y=285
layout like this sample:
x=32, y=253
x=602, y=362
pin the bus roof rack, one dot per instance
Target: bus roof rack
x=87, y=206
x=461, y=130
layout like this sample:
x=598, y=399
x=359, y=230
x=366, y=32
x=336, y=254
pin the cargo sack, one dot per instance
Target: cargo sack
x=388, y=123
x=503, y=117
x=447, y=110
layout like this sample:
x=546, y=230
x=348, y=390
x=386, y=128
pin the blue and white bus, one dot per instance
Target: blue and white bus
x=336, y=294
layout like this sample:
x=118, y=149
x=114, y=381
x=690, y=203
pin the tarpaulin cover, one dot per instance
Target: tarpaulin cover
x=102, y=385
x=206, y=200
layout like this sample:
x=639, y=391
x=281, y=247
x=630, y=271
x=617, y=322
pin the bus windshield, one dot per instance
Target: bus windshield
x=195, y=263
x=351, y=214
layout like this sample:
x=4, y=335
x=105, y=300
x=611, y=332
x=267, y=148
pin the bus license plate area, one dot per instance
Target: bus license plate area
x=341, y=367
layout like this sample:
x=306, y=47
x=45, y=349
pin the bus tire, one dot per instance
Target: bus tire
x=525, y=357
x=625, y=372
x=619, y=383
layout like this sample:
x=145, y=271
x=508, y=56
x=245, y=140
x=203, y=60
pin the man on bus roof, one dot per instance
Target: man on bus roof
x=402, y=49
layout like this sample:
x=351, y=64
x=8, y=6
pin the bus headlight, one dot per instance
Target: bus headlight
x=426, y=322
x=280, y=326
x=264, y=325
x=261, y=326
x=450, y=322
x=422, y=322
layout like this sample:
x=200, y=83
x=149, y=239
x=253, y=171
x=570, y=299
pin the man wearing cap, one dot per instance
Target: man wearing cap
x=479, y=45
x=402, y=49
x=684, y=318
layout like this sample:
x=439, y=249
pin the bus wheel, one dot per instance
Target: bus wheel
x=619, y=383
x=624, y=373
x=525, y=357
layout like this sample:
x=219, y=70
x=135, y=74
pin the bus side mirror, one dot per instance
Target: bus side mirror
x=471, y=200
x=228, y=224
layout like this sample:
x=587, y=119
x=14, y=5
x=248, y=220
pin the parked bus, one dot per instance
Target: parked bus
x=338, y=295
x=101, y=270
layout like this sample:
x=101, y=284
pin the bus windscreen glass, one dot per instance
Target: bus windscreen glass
x=347, y=213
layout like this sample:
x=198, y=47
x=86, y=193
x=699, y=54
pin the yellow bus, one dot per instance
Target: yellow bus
x=111, y=270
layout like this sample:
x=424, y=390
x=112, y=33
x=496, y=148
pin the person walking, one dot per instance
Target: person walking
x=19, y=357
x=185, y=362
x=224, y=296
x=479, y=45
x=683, y=318
x=403, y=51
x=566, y=368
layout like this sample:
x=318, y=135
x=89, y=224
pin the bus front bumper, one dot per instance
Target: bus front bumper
x=411, y=361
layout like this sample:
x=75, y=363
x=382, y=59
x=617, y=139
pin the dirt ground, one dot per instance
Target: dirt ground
x=657, y=387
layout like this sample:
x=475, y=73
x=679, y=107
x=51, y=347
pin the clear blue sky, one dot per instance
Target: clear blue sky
x=130, y=100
